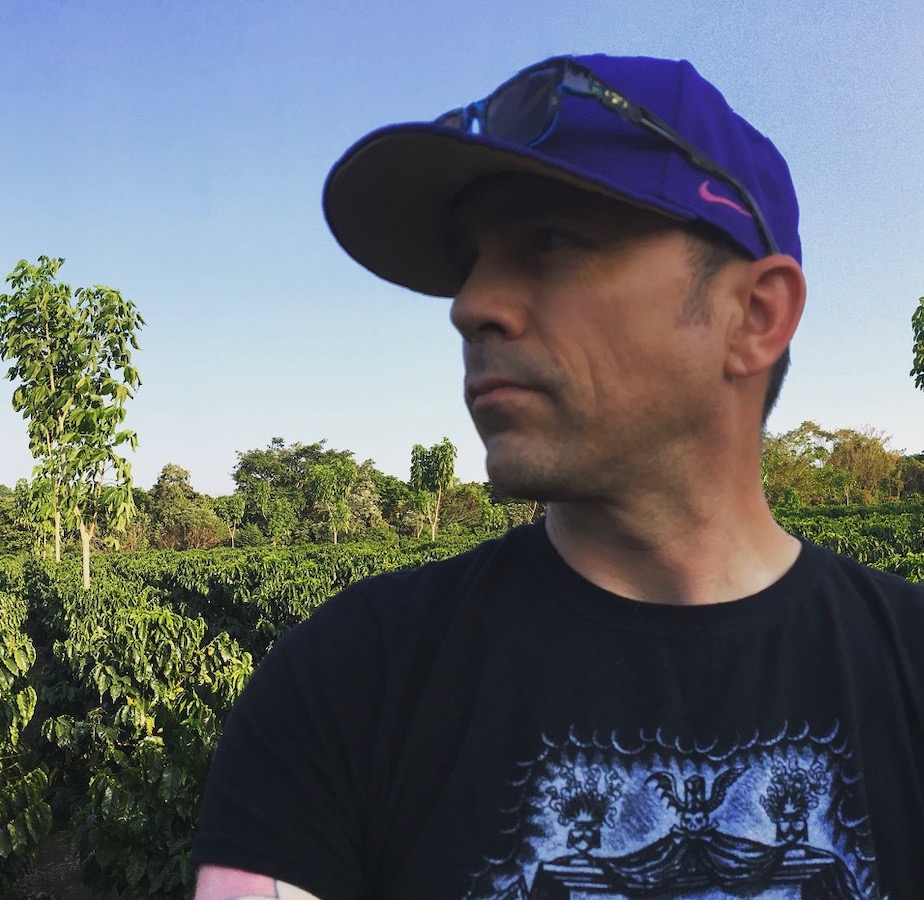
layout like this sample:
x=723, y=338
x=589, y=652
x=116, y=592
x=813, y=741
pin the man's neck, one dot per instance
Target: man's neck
x=688, y=553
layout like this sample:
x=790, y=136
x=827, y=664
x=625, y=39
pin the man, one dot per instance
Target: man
x=656, y=692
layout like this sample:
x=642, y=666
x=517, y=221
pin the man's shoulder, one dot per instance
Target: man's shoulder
x=845, y=577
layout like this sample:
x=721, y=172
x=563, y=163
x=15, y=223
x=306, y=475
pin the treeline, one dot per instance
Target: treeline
x=292, y=494
x=812, y=467
x=287, y=494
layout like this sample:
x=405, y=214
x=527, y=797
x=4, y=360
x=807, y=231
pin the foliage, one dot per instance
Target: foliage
x=810, y=466
x=71, y=356
x=885, y=536
x=230, y=509
x=516, y=512
x=304, y=492
x=16, y=533
x=329, y=485
x=131, y=756
x=181, y=519
x=25, y=816
x=917, y=327
x=432, y=474
x=145, y=665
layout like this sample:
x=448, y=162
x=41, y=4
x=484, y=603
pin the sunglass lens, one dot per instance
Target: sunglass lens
x=455, y=118
x=522, y=110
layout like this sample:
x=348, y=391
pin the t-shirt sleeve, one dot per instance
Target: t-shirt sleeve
x=287, y=791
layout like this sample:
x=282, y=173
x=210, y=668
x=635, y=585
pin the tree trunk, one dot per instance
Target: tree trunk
x=435, y=518
x=57, y=533
x=86, y=535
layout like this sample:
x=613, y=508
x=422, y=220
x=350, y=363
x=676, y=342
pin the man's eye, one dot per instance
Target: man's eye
x=546, y=240
x=464, y=261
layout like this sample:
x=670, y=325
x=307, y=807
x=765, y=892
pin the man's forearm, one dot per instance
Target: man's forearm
x=221, y=883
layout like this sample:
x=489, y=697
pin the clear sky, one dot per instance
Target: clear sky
x=176, y=150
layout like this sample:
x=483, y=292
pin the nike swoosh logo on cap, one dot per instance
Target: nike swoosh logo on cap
x=709, y=197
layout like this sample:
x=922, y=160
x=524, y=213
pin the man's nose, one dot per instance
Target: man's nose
x=491, y=302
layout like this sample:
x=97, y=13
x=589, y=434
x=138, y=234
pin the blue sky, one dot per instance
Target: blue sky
x=176, y=151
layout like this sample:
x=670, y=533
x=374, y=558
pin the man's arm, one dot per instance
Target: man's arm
x=220, y=883
x=283, y=795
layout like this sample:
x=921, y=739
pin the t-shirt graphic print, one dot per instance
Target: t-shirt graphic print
x=771, y=817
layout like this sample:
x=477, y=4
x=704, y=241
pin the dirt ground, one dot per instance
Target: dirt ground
x=56, y=874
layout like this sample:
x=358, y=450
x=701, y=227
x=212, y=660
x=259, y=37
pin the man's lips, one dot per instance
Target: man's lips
x=482, y=391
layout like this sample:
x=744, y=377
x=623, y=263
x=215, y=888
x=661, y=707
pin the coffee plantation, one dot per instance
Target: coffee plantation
x=112, y=698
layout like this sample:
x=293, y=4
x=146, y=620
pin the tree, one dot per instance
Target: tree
x=364, y=500
x=139, y=533
x=516, y=512
x=911, y=474
x=872, y=468
x=329, y=485
x=281, y=519
x=182, y=519
x=432, y=474
x=284, y=468
x=791, y=464
x=27, y=505
x=810, y=466
x=307, y=489
x=15, y=524
x=391, y=493
x=230, y=509
x=274, y=482
x=71, y=354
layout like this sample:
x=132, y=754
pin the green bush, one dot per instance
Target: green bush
x=25, y=815
x=142, y=670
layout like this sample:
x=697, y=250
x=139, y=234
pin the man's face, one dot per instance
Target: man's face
x=588, y=361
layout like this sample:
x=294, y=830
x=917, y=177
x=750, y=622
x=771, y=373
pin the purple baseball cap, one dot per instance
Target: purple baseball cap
x=386, y=199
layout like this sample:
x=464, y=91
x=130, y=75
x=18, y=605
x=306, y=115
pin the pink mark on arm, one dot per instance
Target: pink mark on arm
x=221, y=883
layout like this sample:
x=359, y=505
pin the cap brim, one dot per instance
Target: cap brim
x=387, y=199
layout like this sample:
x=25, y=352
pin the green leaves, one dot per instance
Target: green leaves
x=917, y=326
x=17, y=699
x=70, y=352
x=432, y=473
x=158, y=685
x=148, y=663
x=433, y=469
x=25, y=816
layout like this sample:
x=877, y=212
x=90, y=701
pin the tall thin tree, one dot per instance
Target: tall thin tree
x=71, y=356
x=432, y=474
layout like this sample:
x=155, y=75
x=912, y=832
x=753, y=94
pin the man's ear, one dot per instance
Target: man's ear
x=772, y=297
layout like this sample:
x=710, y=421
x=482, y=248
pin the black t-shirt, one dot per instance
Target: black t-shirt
x=495, y=726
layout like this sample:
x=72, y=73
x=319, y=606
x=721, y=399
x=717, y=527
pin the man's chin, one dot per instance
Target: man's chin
x=519, y=474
